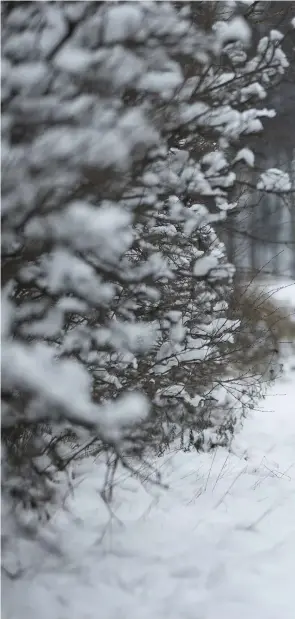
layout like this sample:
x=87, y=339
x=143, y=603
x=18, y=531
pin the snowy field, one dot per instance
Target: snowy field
x=220, y=543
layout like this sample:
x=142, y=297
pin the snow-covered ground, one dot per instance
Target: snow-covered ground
x=220, y=543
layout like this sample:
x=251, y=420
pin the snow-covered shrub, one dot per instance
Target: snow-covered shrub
x=121, y=129
x=266, y=326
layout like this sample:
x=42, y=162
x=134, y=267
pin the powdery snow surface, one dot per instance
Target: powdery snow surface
x=220, y=543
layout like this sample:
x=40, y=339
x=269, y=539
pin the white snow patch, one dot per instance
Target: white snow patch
x=205, y=264
x=276, y=36
x=159, y=81
x=123, y=21
x=73, y=60
x=246, y=155
x=274, y=180
x=235, y=29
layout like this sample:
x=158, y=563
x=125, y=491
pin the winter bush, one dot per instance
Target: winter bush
x=266, y=327
x=123, y=125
